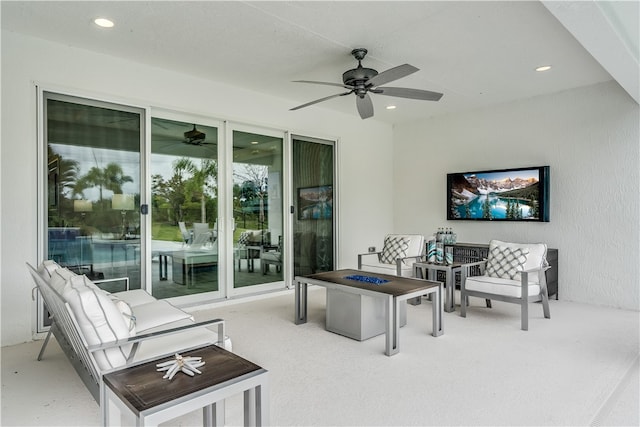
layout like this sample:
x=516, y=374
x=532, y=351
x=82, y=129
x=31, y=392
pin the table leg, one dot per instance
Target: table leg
x=250, y=407
x=213, y=415
x=392, y=332
x=436, y=302
x=301, y=303
x=449, y=299
x=163, y=266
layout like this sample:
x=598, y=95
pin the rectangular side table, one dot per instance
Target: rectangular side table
x=450, y=271
x=142, y=397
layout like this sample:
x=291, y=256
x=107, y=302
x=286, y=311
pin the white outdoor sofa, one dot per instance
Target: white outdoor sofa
x=102, y=332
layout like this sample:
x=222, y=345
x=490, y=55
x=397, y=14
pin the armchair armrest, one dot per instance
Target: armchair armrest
x=365, y=254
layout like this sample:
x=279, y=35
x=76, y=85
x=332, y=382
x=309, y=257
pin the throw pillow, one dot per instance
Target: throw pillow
x=127, y=313
x=47, y=268
x=243, y=239
x=59, y=279
x=505, y=262
x=394, y=247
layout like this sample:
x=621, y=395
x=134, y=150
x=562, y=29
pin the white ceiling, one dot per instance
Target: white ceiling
x=477, y=53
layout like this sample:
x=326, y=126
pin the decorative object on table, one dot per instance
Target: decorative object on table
x=368, y=279
x=189, y=365
x=448, y=255
x=439, y=252
x=431, y=251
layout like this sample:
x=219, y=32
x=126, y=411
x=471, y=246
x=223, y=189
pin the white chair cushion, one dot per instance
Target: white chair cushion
x=99, y=319
x=274, y=256
x=374, y=266
x=499, y=286
x=506, y=262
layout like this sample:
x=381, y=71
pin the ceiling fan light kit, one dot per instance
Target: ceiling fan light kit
x=360, y=81
x=194, y=136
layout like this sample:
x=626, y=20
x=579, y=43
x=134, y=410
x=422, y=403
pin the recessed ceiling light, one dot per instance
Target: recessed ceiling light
x=391, y=107
x=254, y=143
x=544, y=68
x=103, y=22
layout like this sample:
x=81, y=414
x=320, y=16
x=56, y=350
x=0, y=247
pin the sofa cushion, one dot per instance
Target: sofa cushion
x=135, y=297
x=506, y=262
x=126, y=312
x=99, y=319
x=59, y=279
x=394, y=247
x=46, y=268
x=157, y=314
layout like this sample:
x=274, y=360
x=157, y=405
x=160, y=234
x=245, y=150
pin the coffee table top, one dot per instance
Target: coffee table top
x=395, y=286
x=142, y=387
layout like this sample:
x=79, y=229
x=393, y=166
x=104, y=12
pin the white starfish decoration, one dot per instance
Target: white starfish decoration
x=189, y=365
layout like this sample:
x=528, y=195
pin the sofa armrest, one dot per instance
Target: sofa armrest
x=116, y=279
x=365, y=254
x=152, y=335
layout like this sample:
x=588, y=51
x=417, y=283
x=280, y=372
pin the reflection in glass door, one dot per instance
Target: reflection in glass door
x=184, y=208
x=93, y=187
x=314, y=206
x=257, y=208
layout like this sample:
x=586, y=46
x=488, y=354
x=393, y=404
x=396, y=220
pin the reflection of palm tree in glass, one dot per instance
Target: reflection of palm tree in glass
x=198, y=185
x=111, y=177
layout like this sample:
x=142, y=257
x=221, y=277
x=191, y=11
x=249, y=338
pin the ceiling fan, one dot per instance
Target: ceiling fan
x=360, y=81
x=194, y=137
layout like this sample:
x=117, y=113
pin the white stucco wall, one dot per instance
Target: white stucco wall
x=363, y=146
x=589, y=137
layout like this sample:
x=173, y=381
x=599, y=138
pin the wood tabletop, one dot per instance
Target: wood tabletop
x=395, y=286
x=142, y=387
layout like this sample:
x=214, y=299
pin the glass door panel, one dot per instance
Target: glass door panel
x=93, y=187
x=257, y=208
x=184, y=208
x=314, y=206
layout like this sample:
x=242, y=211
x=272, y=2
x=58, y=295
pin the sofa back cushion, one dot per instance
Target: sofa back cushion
x=46, y=268
x=99, y=319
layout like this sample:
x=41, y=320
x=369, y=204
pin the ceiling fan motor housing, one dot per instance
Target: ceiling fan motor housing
x=358, y=75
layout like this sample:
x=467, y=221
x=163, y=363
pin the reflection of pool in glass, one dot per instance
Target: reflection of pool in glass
x=498, y=207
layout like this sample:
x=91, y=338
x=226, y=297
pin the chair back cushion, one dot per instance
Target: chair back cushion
x=507, y=259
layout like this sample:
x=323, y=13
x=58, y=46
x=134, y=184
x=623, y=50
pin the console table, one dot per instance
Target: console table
x=470, y=252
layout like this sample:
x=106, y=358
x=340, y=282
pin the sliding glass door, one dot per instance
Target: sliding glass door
x=257, y=174
x=93, y=187
x=314, y=205
x=184, y=207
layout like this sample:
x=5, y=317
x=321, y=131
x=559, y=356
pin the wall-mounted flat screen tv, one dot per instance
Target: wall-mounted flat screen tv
x=520, y=194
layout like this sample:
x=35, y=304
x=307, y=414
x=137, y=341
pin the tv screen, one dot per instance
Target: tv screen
x=520, y=194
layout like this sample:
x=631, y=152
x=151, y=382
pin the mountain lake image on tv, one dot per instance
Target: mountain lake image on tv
x=520, y=194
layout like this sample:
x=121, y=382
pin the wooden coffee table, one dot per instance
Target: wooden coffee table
x=395, y=291
x=140, y=394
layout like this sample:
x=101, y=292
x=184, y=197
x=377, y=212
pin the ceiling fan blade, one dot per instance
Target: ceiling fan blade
x=320, y=100
x=323, y=83
x=392, y=74
x=365, y=106
x=403, y=92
